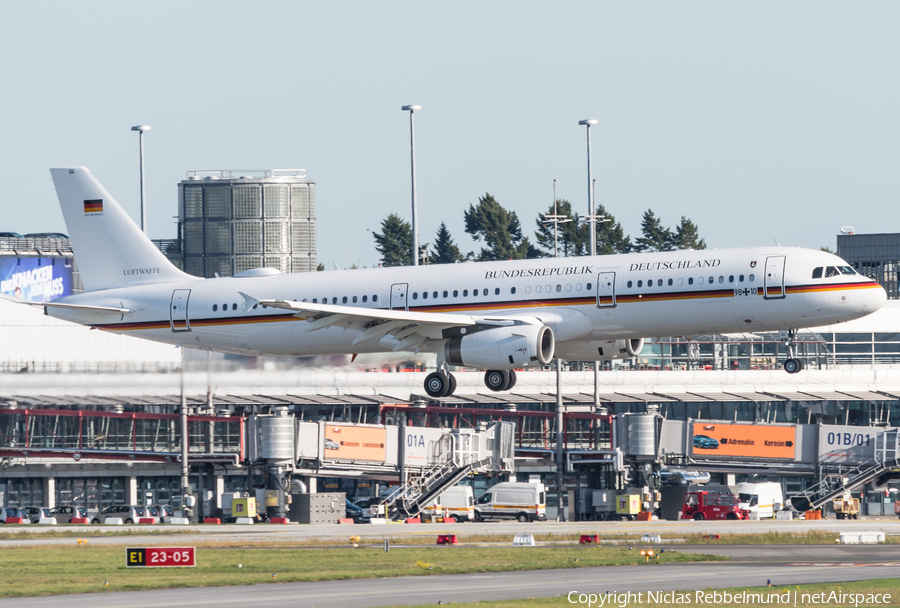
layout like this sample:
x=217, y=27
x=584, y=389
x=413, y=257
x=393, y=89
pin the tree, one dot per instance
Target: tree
x=500, y=229
x=826, y=250
x=395, y=241
x=320, y=267
x=445, y=251
x=656, y=237
x=611, y=238
x=571, y=236
x=687, y=236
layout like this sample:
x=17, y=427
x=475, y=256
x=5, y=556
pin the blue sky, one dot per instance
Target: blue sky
x=756, y=120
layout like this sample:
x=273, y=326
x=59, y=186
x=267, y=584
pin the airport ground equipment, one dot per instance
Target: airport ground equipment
x=457, y=453
x=846, y=508
x=320, y=508
x=887, y=457
x=701, y=505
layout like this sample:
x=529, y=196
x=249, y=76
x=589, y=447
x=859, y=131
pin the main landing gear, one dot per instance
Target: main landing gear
x=440, y=384
x=792, y=365
x=443, y=384
x=500, y=379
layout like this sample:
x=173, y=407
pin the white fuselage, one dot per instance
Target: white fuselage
x=582, y=299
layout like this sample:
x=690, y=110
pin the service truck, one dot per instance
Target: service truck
x=515, y=500
x=701, y=505
x=763, y=499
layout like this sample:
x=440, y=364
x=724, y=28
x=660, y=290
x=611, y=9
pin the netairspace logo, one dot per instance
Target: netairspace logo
x=37, y=284
x=719, y=598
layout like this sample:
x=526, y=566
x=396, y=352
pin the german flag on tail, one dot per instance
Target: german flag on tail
x=95, y=206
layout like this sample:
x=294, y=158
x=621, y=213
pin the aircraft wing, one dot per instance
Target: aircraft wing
x=397, y=329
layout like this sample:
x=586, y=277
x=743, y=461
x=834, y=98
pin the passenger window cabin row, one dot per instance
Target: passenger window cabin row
x=700, y=280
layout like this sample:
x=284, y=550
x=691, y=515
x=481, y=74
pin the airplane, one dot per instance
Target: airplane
x=492, y=316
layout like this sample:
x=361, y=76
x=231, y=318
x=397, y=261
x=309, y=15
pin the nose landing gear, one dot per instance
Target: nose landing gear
x=792, y=365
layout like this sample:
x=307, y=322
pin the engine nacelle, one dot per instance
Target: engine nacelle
x=600, y=350
x=504, y=347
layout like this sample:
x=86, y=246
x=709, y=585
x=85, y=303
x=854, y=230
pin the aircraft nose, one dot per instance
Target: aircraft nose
x=875, y=300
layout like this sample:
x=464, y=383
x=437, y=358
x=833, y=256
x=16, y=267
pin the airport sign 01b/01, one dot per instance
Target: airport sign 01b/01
x=160, y=557
x=744, y=440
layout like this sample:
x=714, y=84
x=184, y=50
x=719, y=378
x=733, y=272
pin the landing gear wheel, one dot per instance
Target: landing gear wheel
x=452, y=388
x=512, y=380
x=437, y=384
x=792, y=366
x=496, y=379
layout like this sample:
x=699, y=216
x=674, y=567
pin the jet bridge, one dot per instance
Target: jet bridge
x=422, y=459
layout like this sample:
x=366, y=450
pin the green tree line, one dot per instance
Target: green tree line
x=500, y=233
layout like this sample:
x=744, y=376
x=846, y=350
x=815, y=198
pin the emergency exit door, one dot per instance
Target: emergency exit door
x=399, y=293
x=774, y=279
x=606, y=290
x=179, y=310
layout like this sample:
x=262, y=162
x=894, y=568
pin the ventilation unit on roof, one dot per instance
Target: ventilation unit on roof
x=847, y=230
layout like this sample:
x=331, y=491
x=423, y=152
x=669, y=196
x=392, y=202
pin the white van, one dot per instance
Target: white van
x=515, y=500
x=457, y=502
x=764, y=498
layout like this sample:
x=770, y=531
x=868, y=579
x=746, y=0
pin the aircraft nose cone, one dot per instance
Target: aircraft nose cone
x=876, y=299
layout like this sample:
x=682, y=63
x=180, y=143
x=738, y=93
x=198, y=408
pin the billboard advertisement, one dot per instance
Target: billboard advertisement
x=840, y=444
x=355, y=443
x=36, y=279
x=744, y=440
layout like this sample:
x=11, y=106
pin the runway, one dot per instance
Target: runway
x=761, y=563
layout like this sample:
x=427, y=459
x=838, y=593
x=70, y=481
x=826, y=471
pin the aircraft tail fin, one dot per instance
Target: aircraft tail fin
x=110, y=248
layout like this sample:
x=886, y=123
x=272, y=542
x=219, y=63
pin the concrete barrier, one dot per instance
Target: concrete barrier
x=414, y=520
x=148, y=520
x=212, y=520
x=346, y=520
x=862, y=538
x=47, y=521
x=113, y=521
x=784, y=515
x=279, y=520
x=79, y=520
x=524, y=540
x=183, y=521
x=244, y=520
x=377, y=520
x=651, y=538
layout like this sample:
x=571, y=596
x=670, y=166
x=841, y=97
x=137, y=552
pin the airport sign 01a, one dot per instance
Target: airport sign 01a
x=743, y=440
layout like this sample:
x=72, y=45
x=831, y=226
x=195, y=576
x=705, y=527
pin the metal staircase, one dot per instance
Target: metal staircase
x=887, y=456
x=452, y=458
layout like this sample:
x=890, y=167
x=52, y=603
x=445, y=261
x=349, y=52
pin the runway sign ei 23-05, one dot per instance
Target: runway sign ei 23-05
x=160, y=557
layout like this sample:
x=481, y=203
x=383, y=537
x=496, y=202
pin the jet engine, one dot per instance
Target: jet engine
x=504, y=347
x=600, y=350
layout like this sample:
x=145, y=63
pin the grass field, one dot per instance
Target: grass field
x=60, y=569
x=878, y=586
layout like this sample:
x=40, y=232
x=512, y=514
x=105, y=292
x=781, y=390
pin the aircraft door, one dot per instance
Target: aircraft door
x=178, y=313
x=606, y=290
x=773, y=281
x=399, y=292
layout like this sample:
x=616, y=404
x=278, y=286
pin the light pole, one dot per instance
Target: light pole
x=412, y=155
x=588, y=124
x=592, y=219
x=140, y=129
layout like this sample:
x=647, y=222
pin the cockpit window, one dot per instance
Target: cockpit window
x=831, y=271
x=846, y=270
x=817, y=273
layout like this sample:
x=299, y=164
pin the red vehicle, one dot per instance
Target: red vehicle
x=712, y=505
